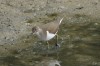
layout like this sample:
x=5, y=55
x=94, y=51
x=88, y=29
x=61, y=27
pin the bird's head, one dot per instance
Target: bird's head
x=35, y=29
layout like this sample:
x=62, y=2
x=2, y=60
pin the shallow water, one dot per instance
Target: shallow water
x=79, y=46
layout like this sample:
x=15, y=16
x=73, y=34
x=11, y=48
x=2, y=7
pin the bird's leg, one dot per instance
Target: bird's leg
x=57, y=45
x=48, y=44
x=57, y=39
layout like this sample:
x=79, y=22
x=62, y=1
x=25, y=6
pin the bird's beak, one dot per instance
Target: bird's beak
x=31, y=33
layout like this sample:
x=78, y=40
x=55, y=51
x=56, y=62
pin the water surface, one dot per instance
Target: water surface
x=79, y=39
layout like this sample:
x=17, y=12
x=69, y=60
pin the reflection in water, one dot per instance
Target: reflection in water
x=48, y=62
x=50, y=57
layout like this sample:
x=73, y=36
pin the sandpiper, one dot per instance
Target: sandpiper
x=47, y=31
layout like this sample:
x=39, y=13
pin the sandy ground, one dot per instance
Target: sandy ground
x=17, y=17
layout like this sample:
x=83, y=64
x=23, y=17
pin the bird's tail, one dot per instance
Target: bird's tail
x=60, y=21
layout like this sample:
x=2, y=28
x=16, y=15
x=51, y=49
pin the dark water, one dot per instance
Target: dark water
x=79, y=40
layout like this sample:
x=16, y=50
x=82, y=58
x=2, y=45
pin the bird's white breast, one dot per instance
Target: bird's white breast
x=49, y=35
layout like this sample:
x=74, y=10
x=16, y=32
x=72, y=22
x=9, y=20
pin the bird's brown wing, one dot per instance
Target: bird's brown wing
x=52, y=27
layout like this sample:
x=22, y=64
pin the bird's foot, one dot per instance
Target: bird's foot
x=57, y=45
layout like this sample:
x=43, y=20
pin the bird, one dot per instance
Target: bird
x=46, y=32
